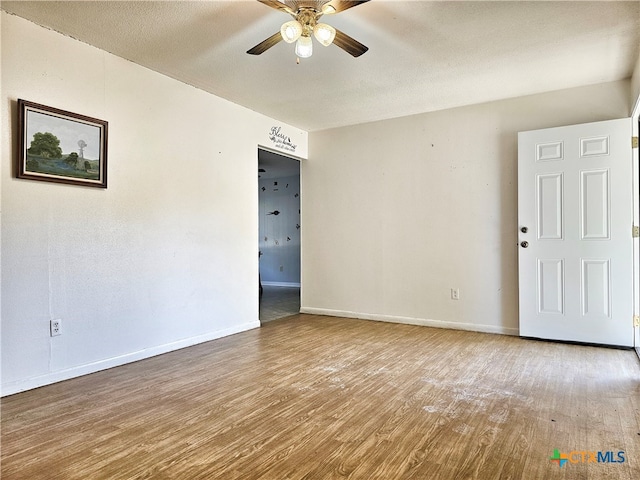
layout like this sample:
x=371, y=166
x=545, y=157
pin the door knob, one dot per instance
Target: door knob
x=524, y=229
x=524, y=244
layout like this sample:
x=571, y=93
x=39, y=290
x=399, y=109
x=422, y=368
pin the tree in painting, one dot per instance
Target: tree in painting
x=72, y=159
x=45, y=145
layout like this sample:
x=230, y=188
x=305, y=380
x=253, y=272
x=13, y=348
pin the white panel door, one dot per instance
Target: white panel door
x=575, y=215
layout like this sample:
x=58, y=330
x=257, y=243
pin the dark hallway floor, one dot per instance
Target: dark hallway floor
x=279, y=302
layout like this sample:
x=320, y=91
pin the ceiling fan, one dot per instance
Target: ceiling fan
x=306, y=14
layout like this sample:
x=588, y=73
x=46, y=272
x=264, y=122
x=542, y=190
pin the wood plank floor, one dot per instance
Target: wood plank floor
x=312, y=397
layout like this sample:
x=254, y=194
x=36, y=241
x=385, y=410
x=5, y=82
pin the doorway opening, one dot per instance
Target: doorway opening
x=279, y=235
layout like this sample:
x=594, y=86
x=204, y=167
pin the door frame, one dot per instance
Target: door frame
x=635, y=154
x=287, y=156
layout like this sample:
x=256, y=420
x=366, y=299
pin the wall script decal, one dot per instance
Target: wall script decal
x=280, y=140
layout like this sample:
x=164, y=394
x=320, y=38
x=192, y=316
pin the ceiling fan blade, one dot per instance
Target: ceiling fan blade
x=336, y=6
x=278, y=6
x=265, y=44
x=348, y=44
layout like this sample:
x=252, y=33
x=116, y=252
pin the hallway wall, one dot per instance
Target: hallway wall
x=279, y=212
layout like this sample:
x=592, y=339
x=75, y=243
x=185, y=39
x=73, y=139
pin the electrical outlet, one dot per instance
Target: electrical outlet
x=455, y=294
x=56, y=327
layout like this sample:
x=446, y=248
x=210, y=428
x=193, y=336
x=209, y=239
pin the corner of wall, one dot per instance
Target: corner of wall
x=635, y=86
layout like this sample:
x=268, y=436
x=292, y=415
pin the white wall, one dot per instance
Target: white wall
x=280, y=234
x=635, y=84
x=166, y=256
x=398, y=212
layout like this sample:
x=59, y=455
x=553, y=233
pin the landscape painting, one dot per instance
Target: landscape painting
x=62, y=147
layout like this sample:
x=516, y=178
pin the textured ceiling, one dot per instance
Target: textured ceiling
x=423, y=56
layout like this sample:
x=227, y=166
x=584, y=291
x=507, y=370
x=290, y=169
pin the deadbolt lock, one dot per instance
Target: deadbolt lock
x=524, y=244
x=524, y=229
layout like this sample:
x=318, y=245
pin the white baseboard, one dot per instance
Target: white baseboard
x=472, y=327
x=11, y=388
x=281, y=284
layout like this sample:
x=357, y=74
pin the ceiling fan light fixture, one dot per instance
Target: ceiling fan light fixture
x=304, y=47
x=305, y=25
x=291, y=31
x=324, y=33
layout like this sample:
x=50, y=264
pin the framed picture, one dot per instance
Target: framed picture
x=61, y=147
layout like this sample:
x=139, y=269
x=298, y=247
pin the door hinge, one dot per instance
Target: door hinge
x=634, y=142
x=636, y=320
x=635, y=231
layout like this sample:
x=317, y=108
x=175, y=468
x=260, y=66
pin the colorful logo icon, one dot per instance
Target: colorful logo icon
x=559, y=458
